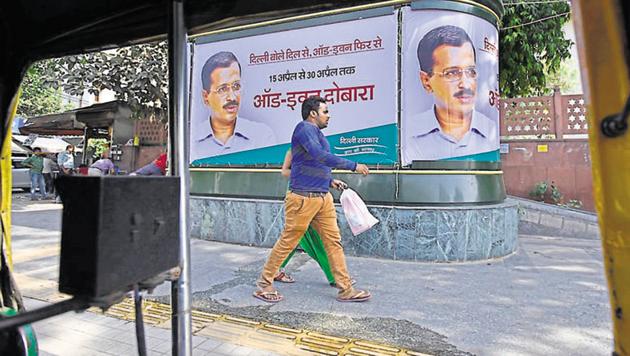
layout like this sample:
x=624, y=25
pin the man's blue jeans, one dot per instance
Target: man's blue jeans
x=37, y=180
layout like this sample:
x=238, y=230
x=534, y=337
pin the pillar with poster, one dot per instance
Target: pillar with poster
x=412, y=90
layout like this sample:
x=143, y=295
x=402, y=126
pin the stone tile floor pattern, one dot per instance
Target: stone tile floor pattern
x=87, y=334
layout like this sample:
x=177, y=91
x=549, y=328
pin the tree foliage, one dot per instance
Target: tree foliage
x=37, y=97
x=532, y=46
x=567, y=78
x=136, y=74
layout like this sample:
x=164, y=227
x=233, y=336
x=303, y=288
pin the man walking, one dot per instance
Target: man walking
x=310, y=202
x=36, y=165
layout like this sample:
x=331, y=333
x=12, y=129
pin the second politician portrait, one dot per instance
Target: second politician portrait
x=448, y=80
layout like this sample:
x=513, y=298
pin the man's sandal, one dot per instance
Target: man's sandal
x=356, y=296
x=268, y=297
x=352, y=282
x=283, y=277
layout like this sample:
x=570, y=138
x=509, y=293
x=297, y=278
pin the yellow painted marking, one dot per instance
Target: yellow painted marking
x=285, y=340
x=321, y=342
x=327, y=337
x=231, y=319
x=282, y=329
x=367, y=352
x=414, y=353
x=377, y=346
x=318, y=350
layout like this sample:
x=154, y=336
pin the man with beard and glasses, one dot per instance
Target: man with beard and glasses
x=452, y=127
x=227, y=132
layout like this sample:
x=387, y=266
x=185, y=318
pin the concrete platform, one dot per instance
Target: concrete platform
x=407, y=233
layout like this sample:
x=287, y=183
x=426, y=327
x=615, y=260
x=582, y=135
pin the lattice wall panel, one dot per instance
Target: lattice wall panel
x=151, y=132
x=527, y=117
x=574, y=115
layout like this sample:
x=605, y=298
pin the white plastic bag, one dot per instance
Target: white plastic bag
x=357, y=214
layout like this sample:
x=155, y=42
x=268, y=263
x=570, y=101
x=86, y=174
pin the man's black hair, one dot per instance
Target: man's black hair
x=443, y=35
x=69, y=146
x=311, y=103
x=218, y=60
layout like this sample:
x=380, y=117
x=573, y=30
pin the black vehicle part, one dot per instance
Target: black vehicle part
x=616, y=124
x=116, y=232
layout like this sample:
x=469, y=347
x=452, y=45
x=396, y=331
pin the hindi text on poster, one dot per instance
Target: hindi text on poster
x=332, y=95
x=289, y=54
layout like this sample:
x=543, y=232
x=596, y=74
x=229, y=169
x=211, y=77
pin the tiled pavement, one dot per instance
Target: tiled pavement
x=549, y=298
x=88, y=333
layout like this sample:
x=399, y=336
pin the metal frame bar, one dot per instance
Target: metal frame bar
x=178, y=158
x=297, y=18
x=341, y=171
x=48, y=311
x=296, y=24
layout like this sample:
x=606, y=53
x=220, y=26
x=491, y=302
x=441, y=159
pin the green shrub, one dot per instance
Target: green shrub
x=539, y=191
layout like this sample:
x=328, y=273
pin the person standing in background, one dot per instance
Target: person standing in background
x=65, y=161
x=47, y=173
x=36, y=165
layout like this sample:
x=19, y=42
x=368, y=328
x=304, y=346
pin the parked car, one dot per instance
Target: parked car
x=20, y=175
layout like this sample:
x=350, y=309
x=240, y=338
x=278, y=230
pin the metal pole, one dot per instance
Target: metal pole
x=178, y=156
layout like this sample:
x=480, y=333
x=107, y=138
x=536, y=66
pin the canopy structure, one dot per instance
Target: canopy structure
x=54, y=124
x=47, y=144
x=74, y=122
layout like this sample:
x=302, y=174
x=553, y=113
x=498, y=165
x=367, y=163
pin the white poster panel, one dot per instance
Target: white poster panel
x=247, y=92
x=450, y=107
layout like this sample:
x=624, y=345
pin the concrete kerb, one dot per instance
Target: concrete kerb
x=537, y=218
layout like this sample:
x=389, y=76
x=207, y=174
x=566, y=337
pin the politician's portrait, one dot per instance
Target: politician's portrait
x=448, y=75
x=220, y=129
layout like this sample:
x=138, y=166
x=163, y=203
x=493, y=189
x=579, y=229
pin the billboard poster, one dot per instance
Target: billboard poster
x=450, y=108
x=246, y=93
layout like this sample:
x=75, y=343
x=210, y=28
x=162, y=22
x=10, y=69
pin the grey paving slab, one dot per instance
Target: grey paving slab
x=64, y=335
x=164, y=346
x=197, y=340
x=225, y=349
x=199, y=352
x=209, y=345
x=242, y=351
x=219, y=269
